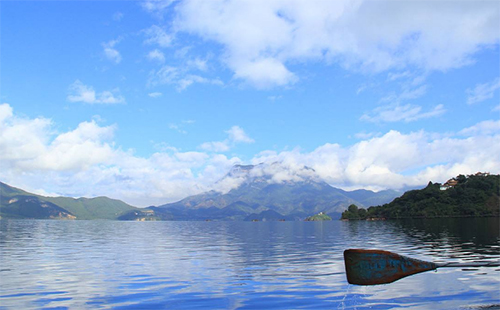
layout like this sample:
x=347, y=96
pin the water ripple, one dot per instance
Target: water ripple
x=238, y=265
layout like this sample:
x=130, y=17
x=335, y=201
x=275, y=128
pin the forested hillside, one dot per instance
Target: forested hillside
x=463, y=196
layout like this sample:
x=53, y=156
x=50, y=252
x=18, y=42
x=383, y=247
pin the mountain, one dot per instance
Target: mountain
x=290, y=192
x=16, y=203
x=367, y=198
x=21, y=206
x=252, y=192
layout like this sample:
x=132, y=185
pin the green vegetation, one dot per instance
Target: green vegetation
x=92, y=208
x=16, y=203
x=469, y=196
x=32, y=207
x=354, y=213
x=319, y=217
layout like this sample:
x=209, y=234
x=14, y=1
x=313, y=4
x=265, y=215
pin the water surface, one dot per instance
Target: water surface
x=239, y=265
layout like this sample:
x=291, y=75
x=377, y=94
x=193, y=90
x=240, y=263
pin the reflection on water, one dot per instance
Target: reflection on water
x=185, y=265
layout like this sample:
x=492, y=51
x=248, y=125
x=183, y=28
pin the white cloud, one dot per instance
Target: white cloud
x=77, y=150
x=27, y=145
x=85, y=161
x=5, y=112
x=80, y=92
x=179, y=77
x=180, y=127
x=20, y=139
x=482, y=92
x=186, y=72
x=177, y=128
x=165, y=147
x=406, y=113
x=274, y=98
x=110, y=97
x=393, y=76
x=196, y=158
x=261, y=39
x=270, y=172
x=363, y=87
x=406, y=94
x=189, y=79
x=235, y=135
x=110, y=52
x=216, y=146
x=386, y=161
x=156, y=5
x=482, y=128
x=155, y=95
x=156, y=35
x=165, y=75
x=367, y=135
x=285, y=171
x=265, y=73
x=198, y=64
x=118, y=16
x=394, y=109
x=156, y=55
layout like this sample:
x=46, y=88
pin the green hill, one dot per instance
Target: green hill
x=463, y=196
x=318, y=217
x=92, y=208
x=16, y=203
x=25, y=206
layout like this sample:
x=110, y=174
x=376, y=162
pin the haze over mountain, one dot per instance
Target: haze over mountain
x=290, y=192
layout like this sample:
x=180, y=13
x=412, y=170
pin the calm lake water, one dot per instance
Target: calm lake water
x=239, y=265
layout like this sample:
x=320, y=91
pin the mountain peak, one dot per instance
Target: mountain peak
x=269, y=190
x=240, y=170
x=270, y=173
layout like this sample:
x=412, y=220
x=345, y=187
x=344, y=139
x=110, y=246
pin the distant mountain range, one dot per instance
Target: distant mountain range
x=271, y=192
x=253, y=192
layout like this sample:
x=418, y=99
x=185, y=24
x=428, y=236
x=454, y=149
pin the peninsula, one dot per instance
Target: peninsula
x=476, y=195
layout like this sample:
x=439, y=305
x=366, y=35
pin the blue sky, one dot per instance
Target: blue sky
x=151, y=101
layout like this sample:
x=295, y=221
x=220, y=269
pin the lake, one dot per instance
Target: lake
x=239, y=265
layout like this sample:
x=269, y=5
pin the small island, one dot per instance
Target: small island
x=476, y=195
x=318, y=217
